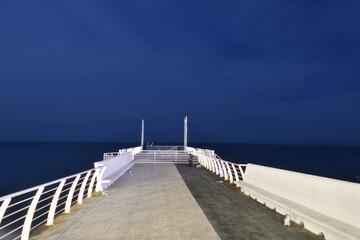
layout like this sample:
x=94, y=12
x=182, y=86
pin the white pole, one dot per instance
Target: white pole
x=30, y=214
x=142, y=134
x=51, y=215
x=185, y=133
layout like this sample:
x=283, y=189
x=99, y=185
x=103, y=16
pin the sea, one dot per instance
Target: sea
x=27, y=164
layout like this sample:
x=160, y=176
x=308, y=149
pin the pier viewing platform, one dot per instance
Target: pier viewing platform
x=156, y=194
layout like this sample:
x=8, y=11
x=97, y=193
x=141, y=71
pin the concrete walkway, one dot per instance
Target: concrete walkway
x=150, y=202
x=234, y=215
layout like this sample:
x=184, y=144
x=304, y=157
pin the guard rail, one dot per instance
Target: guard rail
x=210, y=160
x=25, y=210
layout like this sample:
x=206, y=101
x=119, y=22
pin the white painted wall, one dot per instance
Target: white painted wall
x=115, y=167
x=136, y=150
x=334, y=198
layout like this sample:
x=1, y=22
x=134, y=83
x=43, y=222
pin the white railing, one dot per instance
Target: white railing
x=163, y=156
x=107, y=156
x=23, y=211
x=228, y=170
x=176, y=148
x=164, y=148
x=135, y=150
x=115, y=167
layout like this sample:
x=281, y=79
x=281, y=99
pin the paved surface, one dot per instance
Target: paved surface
x=233, y=214
x=150, y=202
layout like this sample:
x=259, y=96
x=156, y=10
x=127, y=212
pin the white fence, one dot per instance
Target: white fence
x=25, y=210
x=164, y=148
x=114, y=168
x=228, y=170
x=163, y=156
x=109, y=155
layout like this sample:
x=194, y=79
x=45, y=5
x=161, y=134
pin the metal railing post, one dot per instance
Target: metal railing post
x=30, y=214
x=71, y=193
x=3, y=207
x=82, y=188
x=235, y=172
x=241, y=171
x=229, y=171
x=210, y=163
x=51, y=215
x=207, y=164
x=225, y=166
x=91, y=186
x=216, y=166
x=220, y=168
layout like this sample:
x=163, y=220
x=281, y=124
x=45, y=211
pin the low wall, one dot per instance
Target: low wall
x=115, y=167
x=136, y=150
x=335, y=198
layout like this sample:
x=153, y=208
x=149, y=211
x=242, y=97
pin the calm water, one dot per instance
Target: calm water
x=25, y=165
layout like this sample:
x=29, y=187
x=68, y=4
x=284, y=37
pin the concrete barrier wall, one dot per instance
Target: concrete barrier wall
x=136, y=150
x=115, y=167
x=334, y=198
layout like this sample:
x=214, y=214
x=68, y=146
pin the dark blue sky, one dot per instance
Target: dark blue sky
x=243, y=71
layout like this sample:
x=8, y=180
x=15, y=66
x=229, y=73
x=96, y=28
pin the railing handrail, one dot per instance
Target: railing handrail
x=164, y=147
x=22, y=211
x=41, y=185
x=172, y=148
x=108, y=155
x=164, y=151
x=167, y=146
x=213, y=162
x=26, y=207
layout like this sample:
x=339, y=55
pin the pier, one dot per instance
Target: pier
x=151, y=194
x=270, y=90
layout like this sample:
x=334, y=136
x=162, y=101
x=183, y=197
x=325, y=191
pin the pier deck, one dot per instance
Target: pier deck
x=150, y=202
x=165, y=201
x=234, y=215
